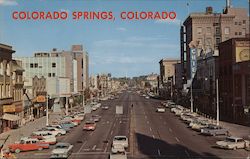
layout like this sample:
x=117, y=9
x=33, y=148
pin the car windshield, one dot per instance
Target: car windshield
x=120, y=138
x=230, y=140
x=62, y=146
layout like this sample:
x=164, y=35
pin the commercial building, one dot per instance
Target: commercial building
x=234, y=80
x=208, y=29
x=11, y=90
x=167, y=77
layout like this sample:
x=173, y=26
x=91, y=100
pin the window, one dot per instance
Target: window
x=53, y=74
x=239, y=23
x=244, y=22
x=236, y=33
x=227, y=30
x=31, y=65
x=208, y=30
x=239, y=33
x=244, y=31
x=235, y=23
x=217, y=30
x=36, y=65
x=53, y=64
x=217, y=40
x=49, y=74
x=199, y=30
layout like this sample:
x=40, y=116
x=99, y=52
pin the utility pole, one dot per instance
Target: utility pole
x=47, y=111
x=217, y=98
x=192, y=100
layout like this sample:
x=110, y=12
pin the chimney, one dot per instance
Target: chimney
x=228, y=3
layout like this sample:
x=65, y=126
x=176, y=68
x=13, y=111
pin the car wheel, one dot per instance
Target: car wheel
x=40, y=148
x=17, y=151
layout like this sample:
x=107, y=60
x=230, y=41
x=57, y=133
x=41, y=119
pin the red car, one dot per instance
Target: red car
x=27, y=144
x=89, y=125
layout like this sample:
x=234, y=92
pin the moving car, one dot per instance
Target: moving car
x=89, y=125
x=96, y=118
x=214, y=130
x=160, y=110
x=233, y=143
x=118, y=152
x=120, y=140
x=27, y=144
x=61, y=150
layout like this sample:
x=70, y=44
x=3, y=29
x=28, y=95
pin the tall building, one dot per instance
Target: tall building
x=234, y=80
x=208, y=29
x=11, y=89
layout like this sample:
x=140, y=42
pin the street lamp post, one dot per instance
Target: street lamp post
x=217, y=99
x=47, y=111
x=191, y=100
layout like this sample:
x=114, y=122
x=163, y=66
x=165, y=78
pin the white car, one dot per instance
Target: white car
x=233, y=143
x=44, y=136
x=160, y=110
x=120, y=140
x=118, y=152
x=62, y=150
x=54, y=131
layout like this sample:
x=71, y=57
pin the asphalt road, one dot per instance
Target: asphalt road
x=151, y=134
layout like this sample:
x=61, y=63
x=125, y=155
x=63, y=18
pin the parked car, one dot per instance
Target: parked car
x=89, y=125
x=105, y=107
x=233, y=143
x=160, y=110
x=118, y=152
x=120, y=140
x=27, y=144
x=68, y=124
x=214, y=130
x=67, y=129
x=96, y=118
x=61, y=150
x=54, y=131
x=44, y=136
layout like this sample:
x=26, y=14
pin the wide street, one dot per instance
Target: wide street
x=151, y=134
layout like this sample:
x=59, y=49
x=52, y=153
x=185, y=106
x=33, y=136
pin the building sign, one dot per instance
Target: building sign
x=40, y=99
x=9, y=108
x=193, y=62
x=242, y=52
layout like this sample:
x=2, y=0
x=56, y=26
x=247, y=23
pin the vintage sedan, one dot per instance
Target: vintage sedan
x=160, y=110
x=214, y=130
x=62, y=150
x=118, y=152
x=27, y=144
x=120, y=140
x=233, y=143
x=89, y=125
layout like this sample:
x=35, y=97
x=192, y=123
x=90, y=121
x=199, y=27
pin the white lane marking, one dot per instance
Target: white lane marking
x=85, y=150
x=107, y=122
x=120, y=121
x=111, y=132
x=98, y=149
x=93, y=147
x=91, y=133
x=177, y=139
x=159, y=152
x=150, y=129
x=82, y=146
x=153, y=137
x=187, y=153
x=165, y=123
x=145, y=117
x=170, y=129
x=148, y=122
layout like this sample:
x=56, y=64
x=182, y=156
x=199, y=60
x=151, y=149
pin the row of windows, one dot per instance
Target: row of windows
x=239, y=23
x=217, y=31
x=35, y=65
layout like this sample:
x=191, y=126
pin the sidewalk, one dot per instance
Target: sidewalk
x=237, y=130
x=26, y=130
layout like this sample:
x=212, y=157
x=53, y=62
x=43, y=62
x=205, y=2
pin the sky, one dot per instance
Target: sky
x=122, y=48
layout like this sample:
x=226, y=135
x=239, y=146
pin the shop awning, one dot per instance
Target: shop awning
x=10, y=117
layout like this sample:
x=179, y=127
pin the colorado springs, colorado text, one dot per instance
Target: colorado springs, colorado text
x=91, y=15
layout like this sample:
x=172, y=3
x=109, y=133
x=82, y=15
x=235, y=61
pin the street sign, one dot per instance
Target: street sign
x=193, y=60
x=119, y=109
